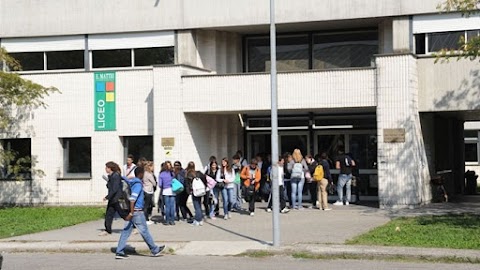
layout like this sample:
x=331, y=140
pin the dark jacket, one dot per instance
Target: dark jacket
x=326, y=169
x=114, y=186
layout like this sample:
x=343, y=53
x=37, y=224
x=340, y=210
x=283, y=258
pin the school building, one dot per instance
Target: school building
x=186, y=79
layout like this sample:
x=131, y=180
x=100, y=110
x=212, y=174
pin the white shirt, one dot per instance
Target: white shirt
x=126, y=171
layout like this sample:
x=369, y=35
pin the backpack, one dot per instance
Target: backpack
x=348, y=161
x=319, y=173
x=297, y=171
x=177, y=186
x=198, y=188
x=126, y=191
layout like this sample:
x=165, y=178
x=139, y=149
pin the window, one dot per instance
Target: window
x=77, y=157
x=420, y=44
x=65, y=60
x=112, y=58
x=471, y=146
x=292, y=53
x=154, y=56
x=338, y=50
x=138, y=146
x=445, y=40
x=18, y=161
x=30, y=60
x=344, y=50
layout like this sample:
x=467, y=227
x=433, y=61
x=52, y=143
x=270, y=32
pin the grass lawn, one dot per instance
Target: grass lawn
x=451, y=231
x=16, y=221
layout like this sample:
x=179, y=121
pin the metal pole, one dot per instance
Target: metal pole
x=273, y=85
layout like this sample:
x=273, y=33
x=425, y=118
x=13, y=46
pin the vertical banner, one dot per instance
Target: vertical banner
x=105, y=118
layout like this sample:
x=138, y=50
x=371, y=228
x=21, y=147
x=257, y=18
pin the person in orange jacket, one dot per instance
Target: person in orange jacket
x=251, y=180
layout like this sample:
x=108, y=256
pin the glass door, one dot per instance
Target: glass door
x=289, y=141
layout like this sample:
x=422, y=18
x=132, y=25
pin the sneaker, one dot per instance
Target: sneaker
x=225, y=217
x=269, y=210
x=229, y=216
x=200, y=223
x=103, y=233
x=300, y=208
x=338, y=203
x=213, y=217
x=171, y=223
x=160, y=249
x=135, y=231
x=120, y=256
x=195, y=223
x=252, y=214
x=310, y=207
x=234, y=210
x=285, y=210
x=347, y=203
x=327, y=209
x=150, y=222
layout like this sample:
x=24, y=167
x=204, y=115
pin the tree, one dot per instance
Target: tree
x=18, y=97
x=467, y=49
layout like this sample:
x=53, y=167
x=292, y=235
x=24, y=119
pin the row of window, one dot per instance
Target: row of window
x=313, y=51
x=434, y=42
x=32, y=61
x=77, y=155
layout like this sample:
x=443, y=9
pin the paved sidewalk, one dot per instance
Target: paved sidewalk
x=311, y=230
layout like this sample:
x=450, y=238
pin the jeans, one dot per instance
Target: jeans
x=283, y=204
x=297, y=191
x=148, y=205
x=182, y=204
x=169, y=201
x=197, y=205
x=312, y=186
x=237, y=191
x=216, y=193
x=344, y=180
x=138, y=221
x=232, y=200
x=288, y=191
x=112, y=208
x=322, y=193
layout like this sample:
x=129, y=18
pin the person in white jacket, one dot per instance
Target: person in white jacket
x=229, y=179
x=280, y=174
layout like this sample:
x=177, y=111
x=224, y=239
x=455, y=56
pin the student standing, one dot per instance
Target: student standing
x=165, y=183
x=251, y=179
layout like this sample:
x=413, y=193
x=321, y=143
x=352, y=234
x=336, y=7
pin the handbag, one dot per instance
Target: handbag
x=177, y=187
x=220, y=185
x=331, y=188
x=250, y=190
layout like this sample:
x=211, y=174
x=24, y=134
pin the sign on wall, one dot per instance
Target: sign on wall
x=104, y=110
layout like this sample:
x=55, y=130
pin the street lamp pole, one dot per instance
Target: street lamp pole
x=274, y=117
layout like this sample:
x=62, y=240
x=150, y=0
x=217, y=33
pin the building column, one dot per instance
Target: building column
x=404, y=178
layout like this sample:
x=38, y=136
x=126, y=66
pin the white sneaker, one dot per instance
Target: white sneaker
x=229, y=216
x=150, y=222
x=225, y=217
x=200, y=223
x=285, y=210
x=103, y=233
x=269, y=210
x=338, y=203
x=327, y=209
x=252, y=214
x=195, y=223
x=347, y=203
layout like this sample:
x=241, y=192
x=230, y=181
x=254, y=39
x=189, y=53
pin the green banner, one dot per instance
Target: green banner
x=104, y=108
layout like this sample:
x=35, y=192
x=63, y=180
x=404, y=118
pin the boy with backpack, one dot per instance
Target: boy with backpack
x=136, y=218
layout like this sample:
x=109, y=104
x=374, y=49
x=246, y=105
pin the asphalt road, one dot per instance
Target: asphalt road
x=39, y=261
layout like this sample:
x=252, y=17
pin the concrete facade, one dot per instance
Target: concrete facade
x=198, y=100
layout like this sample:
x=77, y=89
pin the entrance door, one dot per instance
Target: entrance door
x=289, y=141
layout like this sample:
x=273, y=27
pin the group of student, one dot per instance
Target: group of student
x=229, y=184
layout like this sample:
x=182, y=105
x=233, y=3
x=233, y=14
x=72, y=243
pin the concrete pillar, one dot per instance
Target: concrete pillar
x=186, y=49
x=385, y=37
x=402, y=35
x=402, y=165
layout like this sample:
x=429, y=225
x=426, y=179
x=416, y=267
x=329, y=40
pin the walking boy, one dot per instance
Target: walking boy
x=136, y=218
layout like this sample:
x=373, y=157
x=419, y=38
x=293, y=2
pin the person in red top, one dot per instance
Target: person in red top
x=251, y=180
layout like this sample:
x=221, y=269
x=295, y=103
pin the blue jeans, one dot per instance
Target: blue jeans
x=344, y=179
x=238, y=195
x=232, y=200
x=297, y=191
x=216, y=194
x=169, y=201
x=140, y=223
x=197, y=205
